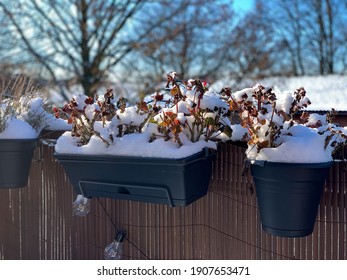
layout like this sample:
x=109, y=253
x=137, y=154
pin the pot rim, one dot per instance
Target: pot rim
x=18, y=139
x=264, y=163
x=203, y=154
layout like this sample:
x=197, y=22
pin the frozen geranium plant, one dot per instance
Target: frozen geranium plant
x=280, y=129
x=177, y=121
x=24, y=112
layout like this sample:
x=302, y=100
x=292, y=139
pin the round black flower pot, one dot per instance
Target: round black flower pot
x=288, y=195
x=15, y=162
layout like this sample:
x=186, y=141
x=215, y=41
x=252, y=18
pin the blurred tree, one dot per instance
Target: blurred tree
x=92, y=41
x=7, y=42
x=325, y=28
x=80, y=39
x=251, y=46
x=309, y=34
x=191, y=41
x=289, y=20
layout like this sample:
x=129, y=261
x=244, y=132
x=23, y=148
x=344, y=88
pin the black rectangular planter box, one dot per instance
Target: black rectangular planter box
x=175, y=182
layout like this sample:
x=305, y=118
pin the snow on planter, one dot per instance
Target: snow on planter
x=177, y=122
x=33, y=111
x=18, y=129
x=28, y=120
x=277, y=131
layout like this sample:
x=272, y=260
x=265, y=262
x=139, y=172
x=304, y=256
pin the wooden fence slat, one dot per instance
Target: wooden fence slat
x=36, y=222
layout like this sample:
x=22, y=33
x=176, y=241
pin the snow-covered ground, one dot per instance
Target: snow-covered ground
x=325, y=92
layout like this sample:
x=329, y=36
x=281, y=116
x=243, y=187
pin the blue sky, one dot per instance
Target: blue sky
x=243, y=5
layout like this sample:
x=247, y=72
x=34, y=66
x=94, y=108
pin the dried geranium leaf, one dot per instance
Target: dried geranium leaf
x=89, y=101
x=66, y=108
x=159, y=97
x=262, y=121
x=263, y=144
x=244, y=96
x=175, y=91
x=305, y=116
x=142, y=105
x=226, y=92
x=263, y=111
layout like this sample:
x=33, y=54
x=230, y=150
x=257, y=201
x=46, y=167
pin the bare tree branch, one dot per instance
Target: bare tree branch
x=81, y=39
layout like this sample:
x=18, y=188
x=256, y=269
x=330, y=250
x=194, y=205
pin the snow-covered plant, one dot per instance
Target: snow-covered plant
x=191, y=108
x=9, y=96
x=5, y=113
x=130, y=119
x=12, y=123
x=102, y=117
x=82, y=112
x=23, y=108
x=277, y=131
x=181, y=119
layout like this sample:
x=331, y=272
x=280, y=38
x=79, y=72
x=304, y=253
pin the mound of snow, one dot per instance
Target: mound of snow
x=18, y=129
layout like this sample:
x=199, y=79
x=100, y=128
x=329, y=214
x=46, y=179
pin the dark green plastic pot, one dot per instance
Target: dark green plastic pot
x=15, y=161
x=288, y=195
x=175, y=182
